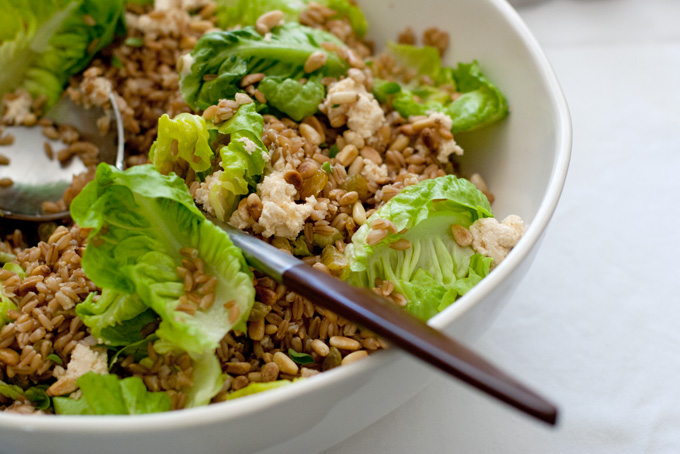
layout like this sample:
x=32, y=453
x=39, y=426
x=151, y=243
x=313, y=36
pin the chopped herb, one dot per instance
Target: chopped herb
x=300, y=358
x=115, y=61
x=327, y=167
x=333, y=152
x=134, y=42
x=55, y=358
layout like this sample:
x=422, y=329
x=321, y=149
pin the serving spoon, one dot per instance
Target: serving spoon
x=359, y=305
x=36, y=178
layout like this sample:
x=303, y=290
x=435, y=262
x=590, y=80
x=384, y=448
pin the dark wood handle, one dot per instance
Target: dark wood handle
x=384, y=318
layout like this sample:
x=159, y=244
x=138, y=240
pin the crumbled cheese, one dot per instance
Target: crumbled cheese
x=202, y=194
x=281, y=216
x=496, y=240
x=364, y=114
x=374, y=172
x=84, y=359
x=16, y=107
x=248, y=144
x=442, y=119
x=185, y=62
x=446, y=149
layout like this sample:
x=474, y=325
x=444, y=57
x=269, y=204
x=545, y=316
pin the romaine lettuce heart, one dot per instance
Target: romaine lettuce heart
x=434, y=270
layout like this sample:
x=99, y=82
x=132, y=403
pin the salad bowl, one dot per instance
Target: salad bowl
x=523, y=159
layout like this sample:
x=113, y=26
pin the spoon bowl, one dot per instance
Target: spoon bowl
x=36, y=177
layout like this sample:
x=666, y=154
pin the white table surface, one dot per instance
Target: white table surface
x=595, y=325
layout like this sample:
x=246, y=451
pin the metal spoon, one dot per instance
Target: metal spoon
x=37, y=178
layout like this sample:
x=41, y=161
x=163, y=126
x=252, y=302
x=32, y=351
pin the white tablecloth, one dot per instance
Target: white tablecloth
x=595, y=325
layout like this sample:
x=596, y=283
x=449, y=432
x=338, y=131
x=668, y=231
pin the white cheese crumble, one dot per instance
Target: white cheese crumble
x=441, y=118
x=446, y=149
x=186, y=61
x=17, y=108
x=248, y=144
x=374, y=172
x=202, y=194
x=364, y=114
x=84, y=359
x=281, y=216
x=496, y=240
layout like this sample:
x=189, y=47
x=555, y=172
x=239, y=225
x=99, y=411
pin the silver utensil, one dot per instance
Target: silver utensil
x=37, y=178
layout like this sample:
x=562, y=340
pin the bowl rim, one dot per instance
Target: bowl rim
x=257, y=402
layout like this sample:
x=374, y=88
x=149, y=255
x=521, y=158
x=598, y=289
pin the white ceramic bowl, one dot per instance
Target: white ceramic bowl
x=524, y=160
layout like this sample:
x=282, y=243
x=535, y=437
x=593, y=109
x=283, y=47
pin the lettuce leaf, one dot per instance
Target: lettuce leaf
x=231, y=13
x=109, y=395
x=44, y=42
x=191, y=135
x=7, y=257
x=229, y=56
x=14, y=268
x=207, y=378
x=36, y=394
x=290, y=96
x=140, y=219
x=115, y=319
x=242, y=160
x=254, y=388
x=434, y=270
x=480, y=103
x=6, y=305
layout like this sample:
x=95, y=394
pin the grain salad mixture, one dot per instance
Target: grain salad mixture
x=274, y=116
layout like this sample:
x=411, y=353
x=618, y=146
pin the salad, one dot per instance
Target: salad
x=275, y=116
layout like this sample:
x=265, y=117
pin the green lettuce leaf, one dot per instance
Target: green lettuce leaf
x=208, y=380
x=229, y=56
x=115, y=319
x=140, y=220
x=191, y=135
x=6, y=257
x=434, y=270
x=290, y=96
x=14, y=268
x=44, y=42
x=36, y=394
x=255, y=388
x=242, y=160
x=109, y=395
x=480, y=103
x=6, y=305
x=231, y=13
